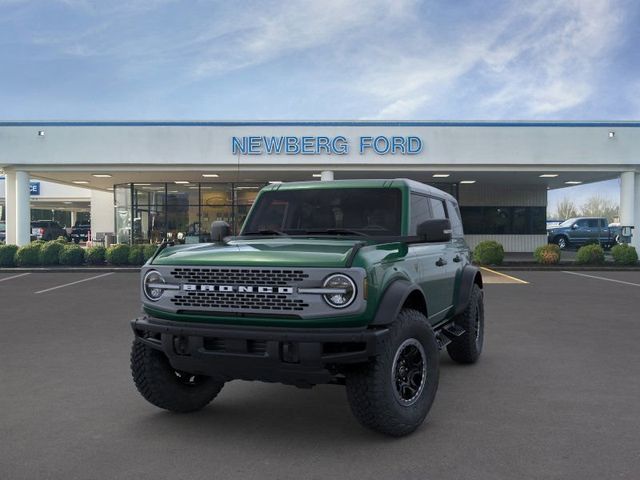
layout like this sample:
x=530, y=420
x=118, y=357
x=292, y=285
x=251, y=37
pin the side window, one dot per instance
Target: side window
x=593, y=223
x=603, y=223
x=420, y=211
x=581, y=223
x=437, y=206
x=456, y=221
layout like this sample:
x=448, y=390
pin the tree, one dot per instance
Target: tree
x=565, y=209
x=597, y=206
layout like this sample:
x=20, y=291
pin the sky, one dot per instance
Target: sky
x=329, y=59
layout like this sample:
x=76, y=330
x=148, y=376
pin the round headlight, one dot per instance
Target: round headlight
x=152, y=285
x=343, y=291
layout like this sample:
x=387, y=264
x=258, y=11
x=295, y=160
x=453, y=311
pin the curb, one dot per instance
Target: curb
x=69, y=269
x=568, y=268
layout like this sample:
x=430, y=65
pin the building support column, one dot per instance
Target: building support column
x=10, y=206
x=326, y=176
x=635, y=240
x=73, y=218
x=628, y=214
x=22, y=208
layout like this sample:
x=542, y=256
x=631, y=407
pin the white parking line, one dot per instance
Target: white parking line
x=11, y=278
x=73, y=283
x=602, y=278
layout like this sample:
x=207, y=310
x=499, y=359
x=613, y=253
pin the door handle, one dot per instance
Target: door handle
x=457, y=258
x=441, y=262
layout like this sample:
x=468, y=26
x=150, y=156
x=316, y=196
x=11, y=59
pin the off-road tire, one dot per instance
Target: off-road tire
x=160, y=384
x=371, y=388
x=467, y=347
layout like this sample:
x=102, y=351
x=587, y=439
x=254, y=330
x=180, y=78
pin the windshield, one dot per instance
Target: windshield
x=568, y=222
x=341, y=211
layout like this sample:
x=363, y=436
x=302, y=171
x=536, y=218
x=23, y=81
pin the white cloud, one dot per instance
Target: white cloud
x=535, y=61
x=550, y=65
x=288, y=27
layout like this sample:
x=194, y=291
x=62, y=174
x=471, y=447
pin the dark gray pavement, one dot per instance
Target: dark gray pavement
x=555, y=396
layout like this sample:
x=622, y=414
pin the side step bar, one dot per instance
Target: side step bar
x=446, y=334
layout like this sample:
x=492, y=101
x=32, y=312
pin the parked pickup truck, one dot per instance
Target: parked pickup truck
x=351, y=282
x=581, y=231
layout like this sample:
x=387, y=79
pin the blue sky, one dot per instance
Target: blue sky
x=329, y=59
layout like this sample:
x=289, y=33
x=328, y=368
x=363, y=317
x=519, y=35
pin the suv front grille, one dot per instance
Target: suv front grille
x=238, y=301
x=239, y=276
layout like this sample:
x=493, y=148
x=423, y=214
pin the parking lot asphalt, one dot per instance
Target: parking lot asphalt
x=555, y=395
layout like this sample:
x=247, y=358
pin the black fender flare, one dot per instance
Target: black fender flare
x=470, y=275
x=393, y=299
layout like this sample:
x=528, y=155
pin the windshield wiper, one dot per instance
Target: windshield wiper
x=338, y=231
x=266, y=231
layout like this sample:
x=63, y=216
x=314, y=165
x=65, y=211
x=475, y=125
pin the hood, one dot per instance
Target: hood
x=272, y=252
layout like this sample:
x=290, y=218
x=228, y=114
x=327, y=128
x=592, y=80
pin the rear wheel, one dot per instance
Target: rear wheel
x=394, y=392
x=165, y=387
x=467, y=347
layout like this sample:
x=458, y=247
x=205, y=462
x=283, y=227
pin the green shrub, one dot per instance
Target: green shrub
x=62, y=240
x=488, y=252
x=590, y=255
x=72, y=255
x=50, y=253
x=8, y=255
x=547, y=254
x=136, y=255
x=149, y=251
x=118, y=254
x=29, y=255
x=624, y=254
x=95, y=255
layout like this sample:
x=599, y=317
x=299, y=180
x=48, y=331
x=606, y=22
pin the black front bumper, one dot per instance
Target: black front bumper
x=298, y=356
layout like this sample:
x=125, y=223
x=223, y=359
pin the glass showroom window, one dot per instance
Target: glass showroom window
x=504, y=220
x=151, y=212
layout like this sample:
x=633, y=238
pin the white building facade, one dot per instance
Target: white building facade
x=150, y=180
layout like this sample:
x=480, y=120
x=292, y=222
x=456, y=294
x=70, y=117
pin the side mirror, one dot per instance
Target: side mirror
x=574, y=226
x=436, y=230
x=219, y=230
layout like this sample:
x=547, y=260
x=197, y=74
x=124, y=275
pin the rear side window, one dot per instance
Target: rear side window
x=593, y=223
x=455, y=218
x=438, y=208
x=420, y=211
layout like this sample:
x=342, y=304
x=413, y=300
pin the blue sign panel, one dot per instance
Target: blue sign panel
x=34, y=188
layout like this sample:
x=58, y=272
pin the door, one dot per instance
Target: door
x=580, y=232
x=450, y=255
x=594, y=231
x=429, y=261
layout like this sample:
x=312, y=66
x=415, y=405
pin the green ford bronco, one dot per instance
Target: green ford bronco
x=352, y=282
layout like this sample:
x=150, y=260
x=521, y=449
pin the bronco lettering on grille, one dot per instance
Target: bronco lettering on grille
x=188, y=287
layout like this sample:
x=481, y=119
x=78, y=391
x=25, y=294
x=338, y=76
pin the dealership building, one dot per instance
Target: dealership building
x=154, y=180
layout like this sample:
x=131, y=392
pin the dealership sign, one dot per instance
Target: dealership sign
x=312, y=145
x=34, y=188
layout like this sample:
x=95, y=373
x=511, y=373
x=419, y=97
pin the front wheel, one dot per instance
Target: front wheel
x=165, y=387
x=394, y=392
x=562, y=242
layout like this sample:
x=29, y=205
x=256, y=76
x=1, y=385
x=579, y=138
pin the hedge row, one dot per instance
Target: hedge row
x=491, y=253
x=59, y=252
